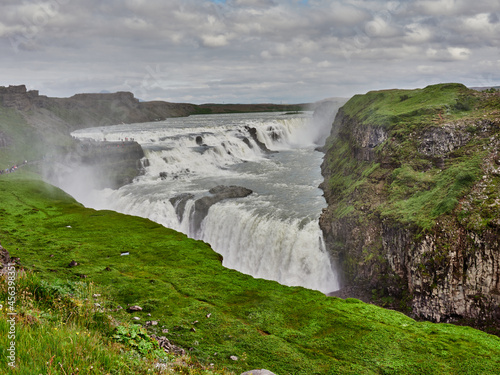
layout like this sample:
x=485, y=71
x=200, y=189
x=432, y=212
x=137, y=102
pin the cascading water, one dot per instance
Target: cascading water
x=272, y=233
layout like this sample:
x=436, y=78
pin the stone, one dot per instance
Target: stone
x=73, y=264
x=258, y=372
x=262, y=146
x=233, y=358
x=134, y=308
x=167, y=346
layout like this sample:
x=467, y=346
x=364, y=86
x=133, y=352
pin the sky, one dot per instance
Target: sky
x=246, y=51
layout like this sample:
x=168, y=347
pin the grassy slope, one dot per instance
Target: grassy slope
x=179, y=281
x=62, y=329
x=22, y=137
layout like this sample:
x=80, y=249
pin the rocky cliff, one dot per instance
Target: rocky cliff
x=37, y=128
x=412, y=184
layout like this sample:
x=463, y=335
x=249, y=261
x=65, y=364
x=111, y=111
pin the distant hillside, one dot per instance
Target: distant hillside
x=88, y=110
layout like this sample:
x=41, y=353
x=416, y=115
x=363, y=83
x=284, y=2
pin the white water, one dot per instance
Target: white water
x=274, y=232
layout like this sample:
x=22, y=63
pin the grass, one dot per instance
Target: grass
x=210, y=311
x=64, y=327
x=389, y=108
x=421, y=197
x=22, y=138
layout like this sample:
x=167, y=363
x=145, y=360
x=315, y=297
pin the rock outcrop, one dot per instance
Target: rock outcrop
x=413, y=211
x=216, y=194
x=179, y=202
x=262, y=145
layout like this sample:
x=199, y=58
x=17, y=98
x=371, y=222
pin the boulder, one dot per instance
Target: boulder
x=4, y=257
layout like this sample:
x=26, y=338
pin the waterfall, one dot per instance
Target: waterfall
x=274, y=232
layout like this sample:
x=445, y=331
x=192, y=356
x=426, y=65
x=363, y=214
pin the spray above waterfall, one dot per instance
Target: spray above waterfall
x=270, y=229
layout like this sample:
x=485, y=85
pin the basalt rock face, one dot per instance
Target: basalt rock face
x=19, y=98
x=414, y=202
x=451, y=274
x=119, y=162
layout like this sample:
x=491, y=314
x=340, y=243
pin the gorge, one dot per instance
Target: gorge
x=411, y=218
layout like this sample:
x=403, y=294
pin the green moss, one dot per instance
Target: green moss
x=421, y=197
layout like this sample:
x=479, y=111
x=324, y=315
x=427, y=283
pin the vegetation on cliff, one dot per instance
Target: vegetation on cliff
x=411, y=179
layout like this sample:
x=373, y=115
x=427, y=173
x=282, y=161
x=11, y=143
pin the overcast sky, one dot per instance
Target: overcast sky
x=246, y=51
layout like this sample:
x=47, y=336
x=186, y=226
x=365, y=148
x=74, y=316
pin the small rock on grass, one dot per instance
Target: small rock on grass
x=258, y=372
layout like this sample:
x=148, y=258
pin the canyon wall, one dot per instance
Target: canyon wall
x=412, y=181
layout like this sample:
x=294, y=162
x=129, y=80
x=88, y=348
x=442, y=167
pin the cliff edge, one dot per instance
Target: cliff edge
x=412, y=183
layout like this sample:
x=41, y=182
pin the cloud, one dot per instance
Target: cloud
x=245, y=50
x=324, y=64
x=459, y=53
x=215, y=40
